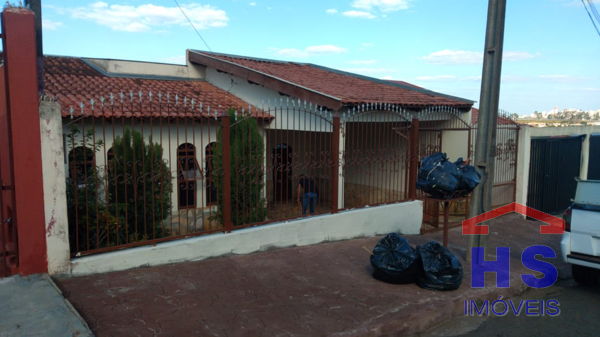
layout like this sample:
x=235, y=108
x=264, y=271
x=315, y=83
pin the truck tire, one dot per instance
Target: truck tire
x=583, y=275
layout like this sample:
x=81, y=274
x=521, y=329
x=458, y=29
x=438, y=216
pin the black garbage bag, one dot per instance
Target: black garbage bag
x=443, y=179
x=441, y=269
x=469, y=178
x=394, y=260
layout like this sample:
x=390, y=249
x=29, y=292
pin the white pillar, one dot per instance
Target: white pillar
x=341, y=165
x=523, y=162
x=55, y=197
x=585, y=157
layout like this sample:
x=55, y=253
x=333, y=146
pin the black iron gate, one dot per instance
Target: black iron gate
x=554, y=164
x=594, y=157
x=8, y=230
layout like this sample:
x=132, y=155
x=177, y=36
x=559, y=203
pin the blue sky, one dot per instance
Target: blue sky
x=551, y=50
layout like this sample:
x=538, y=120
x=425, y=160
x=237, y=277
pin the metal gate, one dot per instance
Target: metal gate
x=505, y=166
x=594, y=157
x=8, y=232
x=554, y=165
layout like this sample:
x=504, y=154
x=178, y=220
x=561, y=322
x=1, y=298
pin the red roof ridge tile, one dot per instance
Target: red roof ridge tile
x=349, y=88
x=74, y=84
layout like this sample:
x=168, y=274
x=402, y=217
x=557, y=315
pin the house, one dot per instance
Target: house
x=348, y=133
x=155, y=152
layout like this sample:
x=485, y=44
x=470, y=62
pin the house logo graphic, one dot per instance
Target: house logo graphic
x=529, y=256
x=472, y=226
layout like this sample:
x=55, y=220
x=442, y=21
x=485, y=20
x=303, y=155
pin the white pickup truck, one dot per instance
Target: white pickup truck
x=580, y=243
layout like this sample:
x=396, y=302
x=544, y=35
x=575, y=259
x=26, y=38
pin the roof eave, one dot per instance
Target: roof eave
x=269, y=81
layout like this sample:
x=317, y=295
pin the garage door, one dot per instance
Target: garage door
x=554, y=164
x=594, y=163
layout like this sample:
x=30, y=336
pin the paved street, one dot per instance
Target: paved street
x=579, y=316
x=320, y=290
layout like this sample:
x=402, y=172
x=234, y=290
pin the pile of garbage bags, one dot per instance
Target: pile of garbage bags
x=441, y=178
x=431, y=266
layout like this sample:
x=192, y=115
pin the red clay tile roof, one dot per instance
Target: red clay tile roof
x=500, y=119
x=72, y=81
x=349, y=88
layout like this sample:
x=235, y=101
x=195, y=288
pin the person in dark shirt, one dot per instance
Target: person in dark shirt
x=307, y=194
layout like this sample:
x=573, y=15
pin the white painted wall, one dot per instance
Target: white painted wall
x=455, y=143
x=376, y=155
x=523, y=161
x=126, y=67
x=169, y=135
x=293, y=117
x=254, y=94
x=55, y=198
x=404, y=218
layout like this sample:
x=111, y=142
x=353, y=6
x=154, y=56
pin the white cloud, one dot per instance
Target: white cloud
x=51, y=25
x=326, y=48
x=148, y=16
x=359, y=14
x=310, y=51
x=331, y=11
x=518, y=55
x=436, y=78
x=448, y=56
x=370, y=71
x=381, y=5
x=561, y=77
x=362, y=62
x=252, y=4
x=554, y=76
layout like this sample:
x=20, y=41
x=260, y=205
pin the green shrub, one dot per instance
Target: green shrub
x=246, y=144
x=139, y=187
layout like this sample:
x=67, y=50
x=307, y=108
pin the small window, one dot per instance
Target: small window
x=81, y=165
x=188, y=173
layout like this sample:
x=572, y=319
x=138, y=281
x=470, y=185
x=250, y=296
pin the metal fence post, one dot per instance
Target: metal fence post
x=23, y=116
x=414, y=159
x=335, y=163
x=226, y=125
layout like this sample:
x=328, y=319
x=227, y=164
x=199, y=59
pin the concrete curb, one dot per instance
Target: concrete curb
x=68, y=304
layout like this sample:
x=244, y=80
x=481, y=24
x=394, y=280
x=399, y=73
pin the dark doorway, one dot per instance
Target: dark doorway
x=554, y=165
x=594, y=157
x=188, y=173
x=282, y=172
x=211, y=188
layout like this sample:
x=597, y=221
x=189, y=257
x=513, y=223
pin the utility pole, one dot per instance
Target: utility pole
x=36, y=8
x=485, y=143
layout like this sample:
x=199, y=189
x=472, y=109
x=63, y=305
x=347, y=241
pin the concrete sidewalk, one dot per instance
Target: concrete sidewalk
x=34, y=306
x=319, y=290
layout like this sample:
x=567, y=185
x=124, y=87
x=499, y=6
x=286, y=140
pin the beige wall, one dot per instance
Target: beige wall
x=523, y=161
x=169, y=135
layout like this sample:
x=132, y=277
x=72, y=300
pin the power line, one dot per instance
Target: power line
x=594, y=10
x=194, y=27
x=591, y=18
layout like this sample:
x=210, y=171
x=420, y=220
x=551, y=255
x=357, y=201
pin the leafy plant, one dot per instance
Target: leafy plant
x=86, y=212
x=139, y=186
x=246, y=158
